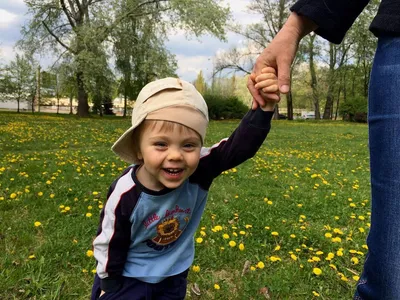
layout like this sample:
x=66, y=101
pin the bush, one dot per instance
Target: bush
x=225, y=107
x=355, y=109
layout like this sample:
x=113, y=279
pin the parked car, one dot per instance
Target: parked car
x=282, y=117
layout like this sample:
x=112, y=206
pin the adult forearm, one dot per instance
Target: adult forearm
x=299, y=26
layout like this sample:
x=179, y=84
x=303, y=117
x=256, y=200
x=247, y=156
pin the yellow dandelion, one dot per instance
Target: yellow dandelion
x=317, y=271
x=88, y=215
x=274, y=233
x=315, y=294
x=274, y=258
x=241, y=247
x=356, y=278
x=354, y=260
x=216, y=286
x=225, y=236
x=260, y=265
x=89, y=253
x=37, y=224
x=199, y=240
x=40, y=194
x=294, y=257
x=333, y=267
x=13, y=196
x=196, y=269
x=32, y=256
x=232, y=244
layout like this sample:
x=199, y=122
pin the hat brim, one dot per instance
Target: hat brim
x=123, y=147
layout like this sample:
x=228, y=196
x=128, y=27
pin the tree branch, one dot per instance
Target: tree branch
x=67, y=13
x=58, y=39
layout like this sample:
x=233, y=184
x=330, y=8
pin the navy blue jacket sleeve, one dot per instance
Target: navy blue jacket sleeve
x=243, y=144
x=114, y=234
x=333, y=17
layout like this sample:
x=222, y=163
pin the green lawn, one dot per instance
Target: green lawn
x=299, y=207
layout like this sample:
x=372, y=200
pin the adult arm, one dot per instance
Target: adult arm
x=328, y=18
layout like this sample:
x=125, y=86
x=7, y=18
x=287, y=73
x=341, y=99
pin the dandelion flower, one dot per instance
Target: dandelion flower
x=354, y=260
x=32, y=256
x=196, y=269
x=225, y=236
x=13, y=196
x=315, y=294
x=241, y=247
x=232, y=244
x=216, y=286
x=260, y=265
x=89, y=253
x=199, y=240
x=37, y=224
x=274, y=258
x=274, y=233
x=317, y=271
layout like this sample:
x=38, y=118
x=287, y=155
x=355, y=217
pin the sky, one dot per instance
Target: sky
x=193, y=54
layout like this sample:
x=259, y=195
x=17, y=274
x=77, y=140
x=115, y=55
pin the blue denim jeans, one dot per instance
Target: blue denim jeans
x=381, y=276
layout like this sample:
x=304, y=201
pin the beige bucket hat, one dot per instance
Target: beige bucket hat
x=168, y=99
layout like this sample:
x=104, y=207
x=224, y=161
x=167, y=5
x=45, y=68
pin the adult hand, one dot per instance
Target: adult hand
x=279, y=55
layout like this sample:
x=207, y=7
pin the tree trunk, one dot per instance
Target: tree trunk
x=18, y=105
x=125, y=104
x=83, y=107
x=329, y=102
x=337, y=102
x=289, y=100
x=58, y=104
x=70, y=104
x=276, y=113
x=314, y=78
x=38, y=87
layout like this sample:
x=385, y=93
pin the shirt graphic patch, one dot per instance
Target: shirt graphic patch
x=169, y=228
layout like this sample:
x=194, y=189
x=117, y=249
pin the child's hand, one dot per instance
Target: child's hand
x=267, y=82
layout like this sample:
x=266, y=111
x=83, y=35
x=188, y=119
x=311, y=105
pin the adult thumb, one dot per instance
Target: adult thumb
x=284, y=76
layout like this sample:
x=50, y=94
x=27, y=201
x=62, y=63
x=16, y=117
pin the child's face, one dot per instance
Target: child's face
x=170, y=154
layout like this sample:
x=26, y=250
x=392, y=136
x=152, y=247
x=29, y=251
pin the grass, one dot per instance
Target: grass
x=304, y=195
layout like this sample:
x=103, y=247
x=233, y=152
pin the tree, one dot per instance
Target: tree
x=82, y=27
x=20, y=79
x=274, y=14
x=200, y=83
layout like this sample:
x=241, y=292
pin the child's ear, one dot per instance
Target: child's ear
x=139, y=155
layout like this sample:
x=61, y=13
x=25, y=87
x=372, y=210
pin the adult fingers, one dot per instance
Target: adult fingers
x=284, y=75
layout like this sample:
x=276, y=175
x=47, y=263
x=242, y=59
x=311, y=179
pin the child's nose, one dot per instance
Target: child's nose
x=174, y=154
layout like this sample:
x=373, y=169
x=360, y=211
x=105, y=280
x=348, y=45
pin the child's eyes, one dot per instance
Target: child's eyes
x=190, y=146
x=160, y=144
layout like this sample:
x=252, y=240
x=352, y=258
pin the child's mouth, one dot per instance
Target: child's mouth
x=173, y=171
